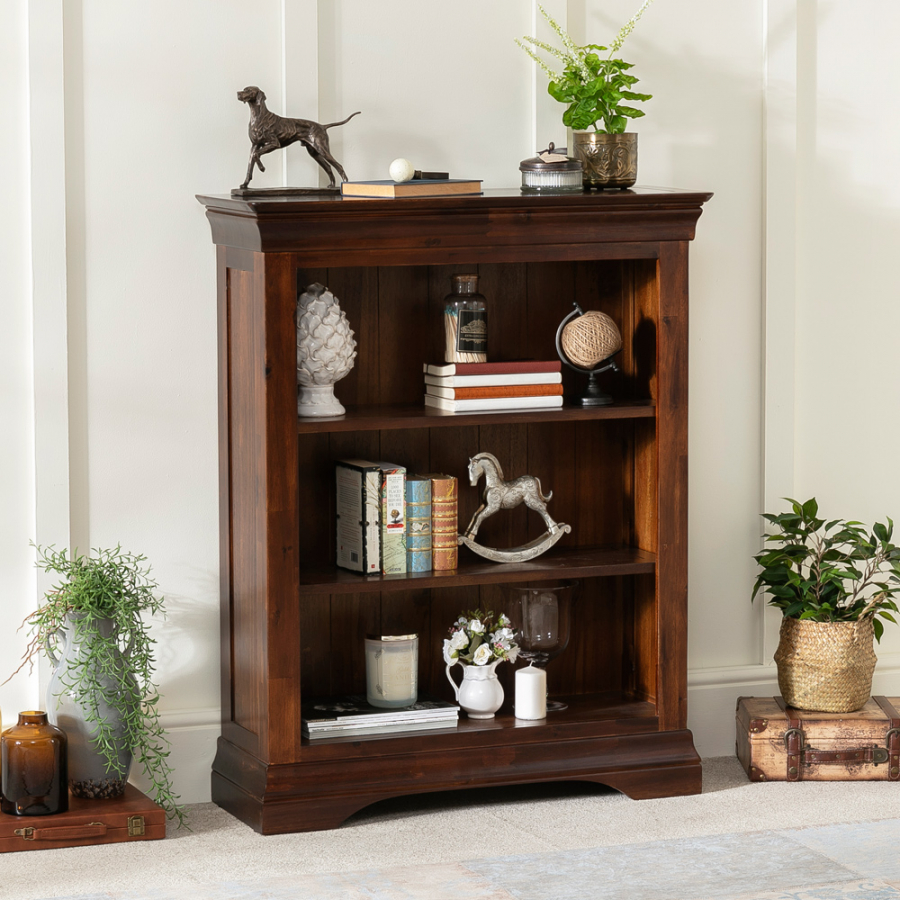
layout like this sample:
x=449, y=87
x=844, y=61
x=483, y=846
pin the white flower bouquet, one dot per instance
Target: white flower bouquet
x=476, y=639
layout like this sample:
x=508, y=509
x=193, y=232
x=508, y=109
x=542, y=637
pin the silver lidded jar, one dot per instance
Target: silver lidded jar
x=465, y=322
x=551, y=171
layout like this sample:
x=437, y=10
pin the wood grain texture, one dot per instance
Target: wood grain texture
x=293, y=624
x=649, y=764
x=672, y=485
x=452, y=230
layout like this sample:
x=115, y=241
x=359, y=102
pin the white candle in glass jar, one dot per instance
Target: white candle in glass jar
x=531, y=693
x=392, y=670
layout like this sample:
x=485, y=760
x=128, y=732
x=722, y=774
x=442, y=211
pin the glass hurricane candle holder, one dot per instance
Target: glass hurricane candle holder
x=392, y=670
x=541, y=614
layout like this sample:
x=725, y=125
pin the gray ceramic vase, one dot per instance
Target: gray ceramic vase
x=89, y=775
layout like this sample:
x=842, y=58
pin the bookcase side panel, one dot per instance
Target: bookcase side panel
x=672, y=449
x=244, y=424
x=276, y=281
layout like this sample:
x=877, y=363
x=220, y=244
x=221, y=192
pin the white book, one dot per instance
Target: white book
x=489, y=403
x=487, y=380
x=393, y=518
x=513, y=367
x=398, y=727
x=358, y=507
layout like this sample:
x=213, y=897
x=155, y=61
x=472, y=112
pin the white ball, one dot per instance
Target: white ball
x=402, y=170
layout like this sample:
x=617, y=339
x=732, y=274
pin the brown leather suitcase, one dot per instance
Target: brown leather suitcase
x=131, y=817
x=778, y=743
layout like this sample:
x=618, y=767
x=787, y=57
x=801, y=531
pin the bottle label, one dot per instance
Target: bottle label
x=472, y=334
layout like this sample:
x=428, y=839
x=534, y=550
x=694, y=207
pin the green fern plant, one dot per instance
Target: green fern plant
x=597, y=90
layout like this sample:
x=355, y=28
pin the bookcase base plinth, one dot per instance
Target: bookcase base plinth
x=323, y=793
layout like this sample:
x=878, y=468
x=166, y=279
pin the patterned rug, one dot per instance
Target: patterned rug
x=858, y=861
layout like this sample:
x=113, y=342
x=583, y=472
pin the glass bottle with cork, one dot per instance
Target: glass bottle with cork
x=465, y=322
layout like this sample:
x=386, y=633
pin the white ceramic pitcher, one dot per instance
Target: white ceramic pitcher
x=480, y=694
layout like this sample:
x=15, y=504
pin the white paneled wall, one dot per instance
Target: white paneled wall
x=17, y=490
x=150, y=118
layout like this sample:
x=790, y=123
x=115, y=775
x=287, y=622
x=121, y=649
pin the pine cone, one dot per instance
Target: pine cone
x=325, y=345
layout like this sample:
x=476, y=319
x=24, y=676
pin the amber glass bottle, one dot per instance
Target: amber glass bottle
x=34, y=771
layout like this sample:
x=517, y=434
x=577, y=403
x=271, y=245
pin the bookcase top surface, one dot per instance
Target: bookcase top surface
x=498, y=225
x=328, y=204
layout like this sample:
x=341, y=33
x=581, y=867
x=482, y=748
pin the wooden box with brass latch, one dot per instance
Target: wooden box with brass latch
x=776, y=742
x=131, y=817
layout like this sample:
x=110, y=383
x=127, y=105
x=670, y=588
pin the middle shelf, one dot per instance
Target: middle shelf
x=378, y=417
x=557, y=564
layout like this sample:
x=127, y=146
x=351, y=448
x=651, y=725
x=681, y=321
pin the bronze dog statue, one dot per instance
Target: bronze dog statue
x=269, y=132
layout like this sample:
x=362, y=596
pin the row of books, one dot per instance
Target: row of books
x=390, y=522
x=485, y=387
x=352, y=716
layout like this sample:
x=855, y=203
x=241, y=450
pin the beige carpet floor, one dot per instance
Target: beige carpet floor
x=441, y=828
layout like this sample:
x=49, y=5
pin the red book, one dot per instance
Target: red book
x=499, y=390
x=512, y=367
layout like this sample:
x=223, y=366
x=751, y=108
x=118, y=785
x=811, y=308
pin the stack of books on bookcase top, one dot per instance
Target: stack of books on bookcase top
x=352, y=716
x=494, y=386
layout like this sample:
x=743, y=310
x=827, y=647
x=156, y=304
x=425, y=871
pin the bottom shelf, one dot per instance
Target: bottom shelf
x=594, y=715
x=604, y=738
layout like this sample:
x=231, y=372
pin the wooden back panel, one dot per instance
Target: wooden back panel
x=590, y=466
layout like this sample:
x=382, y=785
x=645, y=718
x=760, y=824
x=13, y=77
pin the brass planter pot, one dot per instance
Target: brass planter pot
x=608, y=160
x=826, y=666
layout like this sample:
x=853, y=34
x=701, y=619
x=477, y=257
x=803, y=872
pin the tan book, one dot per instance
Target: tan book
x=444, y=526
x=499, y=390
x=420, y=187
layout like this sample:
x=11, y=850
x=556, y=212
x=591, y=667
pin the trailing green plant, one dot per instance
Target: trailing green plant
x=592, y=87
x=829, y=571
x=115, y=665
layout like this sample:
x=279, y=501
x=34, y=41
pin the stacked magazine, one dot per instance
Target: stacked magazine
x=351, y=716
x=488, y=387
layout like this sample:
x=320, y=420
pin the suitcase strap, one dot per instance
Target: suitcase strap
x=62, y=832
x=893, y=737
x=799, y=754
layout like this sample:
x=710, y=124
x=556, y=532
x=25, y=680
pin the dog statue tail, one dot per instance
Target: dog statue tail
x=344, y=122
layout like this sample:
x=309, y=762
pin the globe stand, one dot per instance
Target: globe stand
x=593, y=394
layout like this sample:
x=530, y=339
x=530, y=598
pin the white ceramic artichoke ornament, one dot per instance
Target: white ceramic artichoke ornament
x=325, y=351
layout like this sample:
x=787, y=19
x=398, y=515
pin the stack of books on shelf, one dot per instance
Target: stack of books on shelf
x=352, y=716
x=390, y=522
x=493, y=386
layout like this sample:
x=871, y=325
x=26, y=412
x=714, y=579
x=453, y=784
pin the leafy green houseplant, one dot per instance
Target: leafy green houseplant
x=834, y=580
x=592, y=86
x=597, y=89
x=92, y=626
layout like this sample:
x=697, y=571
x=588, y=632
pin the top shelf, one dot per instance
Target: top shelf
x=398, y=418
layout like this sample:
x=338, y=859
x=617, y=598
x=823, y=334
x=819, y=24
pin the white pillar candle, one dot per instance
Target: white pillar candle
x=531, y=693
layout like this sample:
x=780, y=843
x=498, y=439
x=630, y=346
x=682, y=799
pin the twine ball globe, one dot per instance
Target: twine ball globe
x=402, y=170
x=590, y=339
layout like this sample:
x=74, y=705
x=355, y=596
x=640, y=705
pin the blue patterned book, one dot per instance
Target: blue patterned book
x=418, y=524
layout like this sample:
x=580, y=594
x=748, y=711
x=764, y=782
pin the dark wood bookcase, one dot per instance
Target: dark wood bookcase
x=293, y=624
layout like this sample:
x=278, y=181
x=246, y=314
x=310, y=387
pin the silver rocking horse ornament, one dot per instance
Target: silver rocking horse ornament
x=500, y=494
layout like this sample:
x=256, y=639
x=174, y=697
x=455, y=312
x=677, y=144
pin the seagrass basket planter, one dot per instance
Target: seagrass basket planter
x=826, y=666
